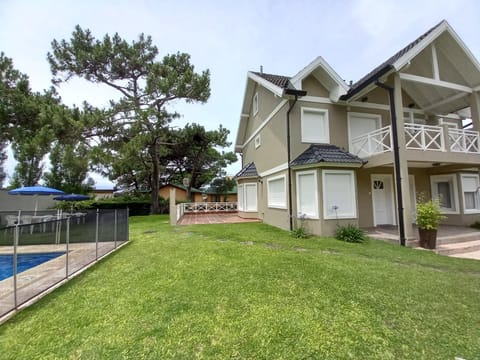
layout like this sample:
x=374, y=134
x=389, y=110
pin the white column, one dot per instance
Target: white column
x=407, y=208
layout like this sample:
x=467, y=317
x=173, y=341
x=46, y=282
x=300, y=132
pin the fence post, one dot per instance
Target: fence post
x=67, y=241
x=128, y=229
x=15, y=244
x=96, y=235
x=115, y=231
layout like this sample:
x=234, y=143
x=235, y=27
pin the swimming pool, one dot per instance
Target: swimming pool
x=24, y=262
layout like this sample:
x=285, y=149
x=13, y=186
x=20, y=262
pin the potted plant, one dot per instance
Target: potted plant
x=428, y=219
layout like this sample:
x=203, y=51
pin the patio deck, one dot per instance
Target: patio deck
x=213, y=218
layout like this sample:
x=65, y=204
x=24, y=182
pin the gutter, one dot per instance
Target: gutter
x=396, y=157
x=296, y=93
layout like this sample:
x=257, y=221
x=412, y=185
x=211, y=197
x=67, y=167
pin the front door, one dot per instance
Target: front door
x=382, y=197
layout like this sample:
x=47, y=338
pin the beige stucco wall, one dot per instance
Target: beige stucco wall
x=267, y=102
x=314, y=87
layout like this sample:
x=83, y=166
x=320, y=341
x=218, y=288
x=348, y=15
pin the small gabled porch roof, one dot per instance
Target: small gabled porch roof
x=248, y=171
x=327, y=155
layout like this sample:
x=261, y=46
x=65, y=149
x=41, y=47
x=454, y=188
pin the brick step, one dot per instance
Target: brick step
x=458, y=247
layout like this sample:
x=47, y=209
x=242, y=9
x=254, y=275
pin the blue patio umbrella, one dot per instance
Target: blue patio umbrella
x=35, y=191
x=72, y=197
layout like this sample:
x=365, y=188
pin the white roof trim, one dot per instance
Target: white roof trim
x=442, y=27
x=266, y=84
x=320, y=62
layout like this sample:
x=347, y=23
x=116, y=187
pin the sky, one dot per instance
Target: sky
x=229, y=38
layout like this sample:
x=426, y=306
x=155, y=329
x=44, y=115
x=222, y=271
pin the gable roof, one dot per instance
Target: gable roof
x=277, y=80
x=179, y=186
x=248, y=170
x=325, y=74
x=326, y=153
x=403, y=57
x=279, y=84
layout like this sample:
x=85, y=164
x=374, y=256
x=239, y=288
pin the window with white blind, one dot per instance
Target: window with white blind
x=314, y=123
x=307, y=194
x=247, y=197
x=277, y=192
x=255, y=104
x=339, y=195
x=444, y=188
x=470, y=184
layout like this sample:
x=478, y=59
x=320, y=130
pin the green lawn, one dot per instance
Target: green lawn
x=251, y=291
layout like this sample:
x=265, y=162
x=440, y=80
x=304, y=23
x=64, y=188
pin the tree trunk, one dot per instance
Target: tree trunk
x=155, y=208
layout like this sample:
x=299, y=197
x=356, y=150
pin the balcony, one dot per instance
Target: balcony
x=418, y=137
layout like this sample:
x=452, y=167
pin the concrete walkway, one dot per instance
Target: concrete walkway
x=456, y=241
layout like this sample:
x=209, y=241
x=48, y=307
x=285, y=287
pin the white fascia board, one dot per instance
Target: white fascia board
x=307, y=70
x=244, y=116
x=274, y=170
x=409, y=55
x=266, y=84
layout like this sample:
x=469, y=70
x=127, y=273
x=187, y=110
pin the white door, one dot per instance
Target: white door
x=382, y=197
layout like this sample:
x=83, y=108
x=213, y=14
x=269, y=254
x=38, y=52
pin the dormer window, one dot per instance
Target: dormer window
x=255, y=104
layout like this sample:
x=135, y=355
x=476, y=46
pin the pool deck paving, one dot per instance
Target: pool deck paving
x=43, y=278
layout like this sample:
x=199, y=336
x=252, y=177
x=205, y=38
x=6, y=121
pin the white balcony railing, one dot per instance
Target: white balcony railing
x=424, y=137
x=208, y=207
x=466, y=141
x=372, y=143
x=418, y=137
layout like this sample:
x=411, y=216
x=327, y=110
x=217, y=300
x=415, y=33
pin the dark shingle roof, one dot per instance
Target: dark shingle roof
x=318, y=153
x=248, y=170
x=385, y=66
x=278, y=80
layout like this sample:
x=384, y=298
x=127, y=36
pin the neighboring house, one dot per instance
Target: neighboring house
x=225, y=196
x=102, y=193
x=180, y=193
x=314, y=147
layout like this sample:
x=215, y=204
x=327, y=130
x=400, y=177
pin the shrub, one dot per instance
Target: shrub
x=476, y=225
x=429, y=214
x=300, y=231
x=350, y=233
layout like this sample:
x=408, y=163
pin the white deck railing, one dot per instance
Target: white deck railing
x=418, y=137
x=424, y=137
x=466, y=141
x=372, y=143
x=208, y=207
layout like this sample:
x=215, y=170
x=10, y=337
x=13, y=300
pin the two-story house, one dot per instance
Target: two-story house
x=335, y=154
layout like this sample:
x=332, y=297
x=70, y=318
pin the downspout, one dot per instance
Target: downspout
x=296, y=94
x=396, y=159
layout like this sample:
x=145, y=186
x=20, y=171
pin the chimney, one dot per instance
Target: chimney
x=261, y=69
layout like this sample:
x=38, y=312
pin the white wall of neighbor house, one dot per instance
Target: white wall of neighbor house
x=25, y=202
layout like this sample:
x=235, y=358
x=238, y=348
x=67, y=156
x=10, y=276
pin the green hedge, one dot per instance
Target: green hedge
x=136, y=206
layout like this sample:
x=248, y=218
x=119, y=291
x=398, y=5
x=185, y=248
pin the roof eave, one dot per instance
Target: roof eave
x=324, y=164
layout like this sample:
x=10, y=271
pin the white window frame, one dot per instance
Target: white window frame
x=452, y=179
x=339, y=214
x=240, y=197
x=307, y=136
x=315, y=214
x=477, y=198
x=270, y=201
x=351, y=114
x=258, y=141
x=242, y=202
x=255, y=104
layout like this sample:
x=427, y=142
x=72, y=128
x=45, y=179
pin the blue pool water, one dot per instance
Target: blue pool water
x=24, y=262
